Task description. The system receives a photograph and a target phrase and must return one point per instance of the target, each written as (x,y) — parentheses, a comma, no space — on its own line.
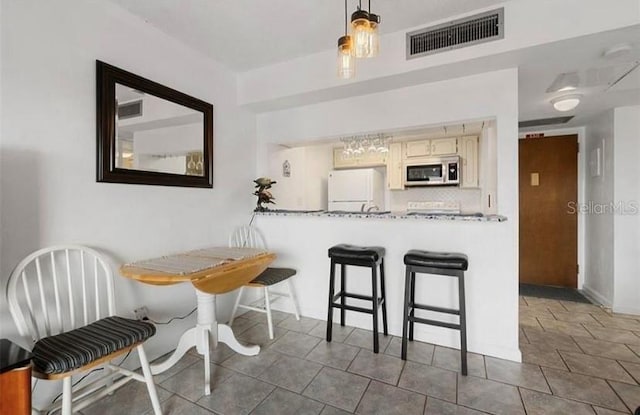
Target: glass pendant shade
(360,31)
(346,58)
(374,39)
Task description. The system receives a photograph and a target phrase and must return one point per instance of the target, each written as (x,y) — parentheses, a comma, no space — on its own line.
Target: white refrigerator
(355,190)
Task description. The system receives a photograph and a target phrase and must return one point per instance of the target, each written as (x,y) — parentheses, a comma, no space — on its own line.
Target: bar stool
(370,257)
(438,263)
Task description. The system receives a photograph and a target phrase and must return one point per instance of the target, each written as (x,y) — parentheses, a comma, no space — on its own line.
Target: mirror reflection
(153,134)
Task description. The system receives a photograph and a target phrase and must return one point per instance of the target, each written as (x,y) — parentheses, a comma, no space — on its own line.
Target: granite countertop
(473,217)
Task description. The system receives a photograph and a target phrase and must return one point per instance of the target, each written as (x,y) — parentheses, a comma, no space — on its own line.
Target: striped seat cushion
(71,350)
(272,276)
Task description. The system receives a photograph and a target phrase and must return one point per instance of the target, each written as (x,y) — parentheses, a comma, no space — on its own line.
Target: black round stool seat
(371,257)
(428,259)
(352,254)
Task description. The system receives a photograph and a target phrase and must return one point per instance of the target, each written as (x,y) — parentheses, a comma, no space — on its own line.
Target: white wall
(49,192)
(491,95)
(613,221)
(626,227)
(598,281)
(306,188)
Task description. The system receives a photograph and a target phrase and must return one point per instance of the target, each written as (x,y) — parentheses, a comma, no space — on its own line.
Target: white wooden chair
(250,237)
(61,300)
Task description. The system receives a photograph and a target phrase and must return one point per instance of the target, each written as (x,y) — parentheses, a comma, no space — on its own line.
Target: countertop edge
(454,218)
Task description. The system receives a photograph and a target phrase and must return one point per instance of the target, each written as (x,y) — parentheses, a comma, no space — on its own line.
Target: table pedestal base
(207,332)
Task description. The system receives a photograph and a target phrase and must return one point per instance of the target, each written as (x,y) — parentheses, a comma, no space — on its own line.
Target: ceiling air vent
(471,30)
(545,121)
(130,110)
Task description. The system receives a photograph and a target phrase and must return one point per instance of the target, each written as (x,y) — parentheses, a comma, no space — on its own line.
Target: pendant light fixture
(362,42)
(346,54)
(360,30)
(374,39)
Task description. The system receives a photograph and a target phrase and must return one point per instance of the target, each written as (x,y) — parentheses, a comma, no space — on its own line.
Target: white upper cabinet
(435,147)
(394,167)
(418,148)
(366,159)
(444,146)
(469,160)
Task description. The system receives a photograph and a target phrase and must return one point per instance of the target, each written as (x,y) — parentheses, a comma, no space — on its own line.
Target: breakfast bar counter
(302,240)
(466,217)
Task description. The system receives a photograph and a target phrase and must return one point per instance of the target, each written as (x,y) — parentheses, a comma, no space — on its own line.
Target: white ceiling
(246,34)
(538,69)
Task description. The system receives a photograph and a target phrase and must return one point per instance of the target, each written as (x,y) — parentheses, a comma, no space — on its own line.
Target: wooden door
(548,228)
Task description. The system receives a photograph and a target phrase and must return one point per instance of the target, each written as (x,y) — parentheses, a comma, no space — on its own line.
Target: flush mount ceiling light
(565,82)
(617,51)
(566,102)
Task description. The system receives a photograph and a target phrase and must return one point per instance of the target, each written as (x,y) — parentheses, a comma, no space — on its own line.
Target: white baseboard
(627,310)
(595,296)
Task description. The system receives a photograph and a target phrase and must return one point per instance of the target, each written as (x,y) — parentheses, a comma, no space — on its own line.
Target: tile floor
(577,359)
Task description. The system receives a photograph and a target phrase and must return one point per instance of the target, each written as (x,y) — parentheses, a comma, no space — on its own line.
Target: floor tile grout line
(637,381)
(363,393)
(579,401)
(618,395)
(559,396)
(195,403)
(524,408)
(545,376)
(264,399)
(457,387)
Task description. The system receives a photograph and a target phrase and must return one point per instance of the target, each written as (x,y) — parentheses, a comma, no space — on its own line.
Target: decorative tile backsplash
(470,199)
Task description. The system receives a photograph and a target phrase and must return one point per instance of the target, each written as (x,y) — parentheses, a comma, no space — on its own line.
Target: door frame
(581,133)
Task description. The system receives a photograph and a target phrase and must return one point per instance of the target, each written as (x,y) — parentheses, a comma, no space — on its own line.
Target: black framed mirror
(151,134)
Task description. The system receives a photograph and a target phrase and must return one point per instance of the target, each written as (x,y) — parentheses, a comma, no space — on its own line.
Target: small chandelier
(362,42)
(359,144)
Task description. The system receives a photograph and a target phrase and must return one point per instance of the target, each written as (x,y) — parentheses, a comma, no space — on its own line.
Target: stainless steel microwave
(441,171)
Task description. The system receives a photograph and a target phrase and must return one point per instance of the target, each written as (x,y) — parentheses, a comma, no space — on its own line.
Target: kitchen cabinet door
(342,162)
(444,146)
(394,167)
(366,159)
(469,161)
(373,159)
(418,148)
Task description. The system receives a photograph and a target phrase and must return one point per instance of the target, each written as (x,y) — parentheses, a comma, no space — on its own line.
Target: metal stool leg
(405,314)
(332,284)
(374,286)
(411,304)
(463,324)
(384,300)
(343,288)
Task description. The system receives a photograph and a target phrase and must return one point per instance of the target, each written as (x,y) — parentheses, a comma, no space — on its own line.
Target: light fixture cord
(345,17)
(359,4)
(369,6)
